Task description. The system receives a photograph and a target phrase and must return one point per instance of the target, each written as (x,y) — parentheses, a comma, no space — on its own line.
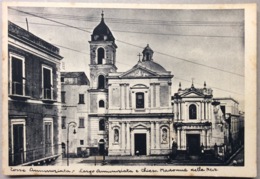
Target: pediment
(192,94)
(139,126)
(138,72)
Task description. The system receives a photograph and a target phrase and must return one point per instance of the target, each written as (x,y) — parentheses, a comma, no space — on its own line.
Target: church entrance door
(193,144)
(140,144)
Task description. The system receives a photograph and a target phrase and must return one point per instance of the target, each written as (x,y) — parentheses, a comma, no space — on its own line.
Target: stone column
(152,135)
(157,135)
(206,108)
(179,138)
(179,109)
(184,139)
(110,135)
(157,95)
(126,96)
(128,136)
(121,96)
(123,135)
(208,142)
(203,137)
(183,110)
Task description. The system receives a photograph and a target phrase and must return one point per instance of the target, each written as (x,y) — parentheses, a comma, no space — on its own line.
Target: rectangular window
(63,122)
(139,100)
(63,99)
(81,142)
(17,75)
(47,83)
(81,123)
(81,99)
(62,79)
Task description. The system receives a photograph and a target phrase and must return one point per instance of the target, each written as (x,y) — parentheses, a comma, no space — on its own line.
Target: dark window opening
(147,56)
(63,97)
(193,111)
(139,100)
(102,125)
(223,109)
(101,82)
(62,79)
(47,85)
(81,123)
(81,99)
(81,142)
(17,76)
(101,55)
(63,122)
(101,104)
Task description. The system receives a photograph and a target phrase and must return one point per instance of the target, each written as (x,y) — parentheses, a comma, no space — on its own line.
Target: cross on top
(139,55)
(192,79)
(102,14)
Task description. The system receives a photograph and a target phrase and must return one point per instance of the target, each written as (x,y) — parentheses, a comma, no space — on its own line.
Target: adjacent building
(75,100)
(204,124)
(33,97)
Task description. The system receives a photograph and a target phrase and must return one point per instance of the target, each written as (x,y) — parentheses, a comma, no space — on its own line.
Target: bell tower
(102,55)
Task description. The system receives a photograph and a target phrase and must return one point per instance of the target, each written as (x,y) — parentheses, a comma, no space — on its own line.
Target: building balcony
(37,156)
(18,90)
(47,95)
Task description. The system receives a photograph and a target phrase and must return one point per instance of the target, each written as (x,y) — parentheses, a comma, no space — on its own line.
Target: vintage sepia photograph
(129,90)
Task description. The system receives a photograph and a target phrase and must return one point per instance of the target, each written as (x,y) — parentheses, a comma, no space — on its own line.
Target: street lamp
(73,124)
(104,154)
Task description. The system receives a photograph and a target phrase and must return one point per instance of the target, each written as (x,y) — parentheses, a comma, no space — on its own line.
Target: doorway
(18,143)
(193,144)
(101,147)
(140,144)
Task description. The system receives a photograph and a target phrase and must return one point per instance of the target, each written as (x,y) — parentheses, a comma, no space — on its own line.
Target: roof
(102,32)
(227,98)
(151,65)
(21,34)
(81,76)
(193,92)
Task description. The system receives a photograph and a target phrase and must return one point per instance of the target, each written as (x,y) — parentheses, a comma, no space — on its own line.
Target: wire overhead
(161,53)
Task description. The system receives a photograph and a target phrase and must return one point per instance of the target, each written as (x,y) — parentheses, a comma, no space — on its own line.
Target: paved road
(136,161)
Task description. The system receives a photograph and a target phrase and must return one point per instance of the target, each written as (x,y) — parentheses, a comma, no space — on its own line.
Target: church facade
(134,113)
(130,112)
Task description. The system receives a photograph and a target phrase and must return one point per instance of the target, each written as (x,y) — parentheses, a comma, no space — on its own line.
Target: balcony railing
(47,93)
(18,90)
(29,156)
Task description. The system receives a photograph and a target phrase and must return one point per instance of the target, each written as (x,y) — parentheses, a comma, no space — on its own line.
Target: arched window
(193,111)
(102,125)
(147,56)
(101,104)
(164,135)
(139,100)
(101,55)
(101,82)
(116,135)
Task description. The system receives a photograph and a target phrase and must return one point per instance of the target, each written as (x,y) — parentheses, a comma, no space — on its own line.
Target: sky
(198,45)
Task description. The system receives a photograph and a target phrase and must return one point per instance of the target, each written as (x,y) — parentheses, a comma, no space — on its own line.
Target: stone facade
(205,124)
(33,108)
